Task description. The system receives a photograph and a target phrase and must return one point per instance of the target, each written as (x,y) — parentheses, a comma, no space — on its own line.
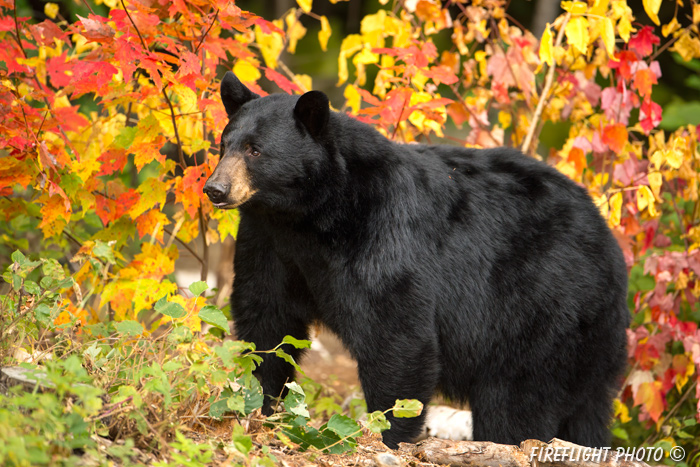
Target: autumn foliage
(109,128)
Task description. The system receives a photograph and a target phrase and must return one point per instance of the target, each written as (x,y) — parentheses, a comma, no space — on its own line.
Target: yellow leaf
(621,411)
(616,208)
(271,46)
(245,71)
(352,97)
(652,8)
(577,33)
(670,28)
(51,10)
(655,182)
(575,8)
(348,47)
(674,158)
(546,47)
(305,5)
(696,13)
(602,203)
(295,30)
(187,98)
(366,56)
(304,82)
(600,7)
(608,35)
(504,119)
(687,47)
(645,200)
(325,33)
(624,27)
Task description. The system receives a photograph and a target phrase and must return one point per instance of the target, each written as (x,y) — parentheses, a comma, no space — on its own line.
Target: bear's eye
(252,151)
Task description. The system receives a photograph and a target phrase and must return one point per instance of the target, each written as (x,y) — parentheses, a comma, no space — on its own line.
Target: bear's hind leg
(509,413)
(588,425)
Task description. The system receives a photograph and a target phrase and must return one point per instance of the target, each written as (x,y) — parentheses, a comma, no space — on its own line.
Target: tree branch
(545,91)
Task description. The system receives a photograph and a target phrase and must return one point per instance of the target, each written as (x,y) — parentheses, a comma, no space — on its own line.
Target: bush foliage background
(110,120)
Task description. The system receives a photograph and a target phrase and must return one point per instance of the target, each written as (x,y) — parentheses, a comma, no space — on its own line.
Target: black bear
(481,274)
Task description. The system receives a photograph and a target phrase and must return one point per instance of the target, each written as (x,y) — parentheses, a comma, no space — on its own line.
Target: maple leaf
(615,136)
(578,158)
(92,77)
(649,115)
(286,85)
(96,29)
(644,41)
(54,216)
(649,396)
(152,222)
(643,81)
(189,64)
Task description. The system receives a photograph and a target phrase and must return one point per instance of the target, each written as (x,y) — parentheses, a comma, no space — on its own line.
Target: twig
(183,164)
(89,7)
(205,247)
(543,97)
(201,41)
(187,247)
(38,83)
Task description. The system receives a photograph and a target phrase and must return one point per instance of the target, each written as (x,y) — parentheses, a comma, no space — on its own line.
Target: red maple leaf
(112,161)
(615,136)
(644,41)
(623,64)
(96,28)
(649,115)
(286,85)
(92,77)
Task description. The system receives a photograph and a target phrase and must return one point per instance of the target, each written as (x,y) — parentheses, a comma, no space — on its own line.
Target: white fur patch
(447,423)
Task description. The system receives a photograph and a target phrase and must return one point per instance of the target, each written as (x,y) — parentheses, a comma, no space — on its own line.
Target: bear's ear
(234,93)
(313,112)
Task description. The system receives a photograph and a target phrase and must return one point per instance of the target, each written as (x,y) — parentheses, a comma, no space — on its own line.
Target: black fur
(482,274)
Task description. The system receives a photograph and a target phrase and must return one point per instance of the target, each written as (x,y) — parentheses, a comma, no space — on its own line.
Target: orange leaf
(650,398)
(54,216)
(643,80)
(615,136)
(152,223)
(578,158)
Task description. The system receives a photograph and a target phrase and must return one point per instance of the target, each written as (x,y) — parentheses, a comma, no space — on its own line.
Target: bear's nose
(216,192)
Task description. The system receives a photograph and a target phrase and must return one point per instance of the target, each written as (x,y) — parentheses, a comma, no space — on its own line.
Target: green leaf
(377,422)
(241,441)
(42,313)
(198,287)
(32,287)
(218,409)
(297,343)
(343,426)
(620,433)
(253,396)
(125,137)
(288,358)
(407,408)
(172,309)
(236,403)
(129,327)
(104,251)
(18,257)
(213,316)
(295,401)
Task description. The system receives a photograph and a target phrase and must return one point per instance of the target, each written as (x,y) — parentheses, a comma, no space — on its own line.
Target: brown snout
(230,184)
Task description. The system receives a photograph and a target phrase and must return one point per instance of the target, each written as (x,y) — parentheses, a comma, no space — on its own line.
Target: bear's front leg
(268,303)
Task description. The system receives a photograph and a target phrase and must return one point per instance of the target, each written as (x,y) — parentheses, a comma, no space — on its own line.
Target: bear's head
(272,149)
